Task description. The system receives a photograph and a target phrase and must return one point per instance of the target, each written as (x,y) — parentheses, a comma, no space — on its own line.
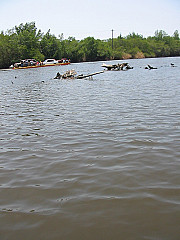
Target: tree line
(26,41)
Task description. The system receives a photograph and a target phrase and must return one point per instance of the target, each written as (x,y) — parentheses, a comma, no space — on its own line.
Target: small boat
(32,63)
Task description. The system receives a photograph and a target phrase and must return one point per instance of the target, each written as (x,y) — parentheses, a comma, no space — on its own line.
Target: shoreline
(8,69)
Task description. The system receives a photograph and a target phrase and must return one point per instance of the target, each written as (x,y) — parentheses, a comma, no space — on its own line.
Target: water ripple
(98,157)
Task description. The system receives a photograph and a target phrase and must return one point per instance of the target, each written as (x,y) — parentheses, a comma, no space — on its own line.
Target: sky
(95,18)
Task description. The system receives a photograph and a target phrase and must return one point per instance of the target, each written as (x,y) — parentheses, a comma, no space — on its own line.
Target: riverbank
(41,46)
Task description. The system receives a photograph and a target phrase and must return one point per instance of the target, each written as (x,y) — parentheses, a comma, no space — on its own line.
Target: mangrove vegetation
(26,41)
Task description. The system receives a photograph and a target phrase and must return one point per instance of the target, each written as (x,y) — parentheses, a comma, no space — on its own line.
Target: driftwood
(81,76)
(67,74)
(71,74)
(150,67)
(117,67)
(58,76)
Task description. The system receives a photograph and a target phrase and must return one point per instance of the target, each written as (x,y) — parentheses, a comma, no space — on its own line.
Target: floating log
(81,76)
(67,74)
(109,67)
(58,76)
(71,74)
(150,67)
(118,67)
(129,67)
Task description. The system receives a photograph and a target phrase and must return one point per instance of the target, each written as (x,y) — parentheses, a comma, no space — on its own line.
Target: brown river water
(94,159)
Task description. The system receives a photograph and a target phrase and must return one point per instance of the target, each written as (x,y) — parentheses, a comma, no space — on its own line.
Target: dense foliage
(25,41)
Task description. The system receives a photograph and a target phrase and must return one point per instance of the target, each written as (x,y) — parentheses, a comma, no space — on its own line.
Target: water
(90,159)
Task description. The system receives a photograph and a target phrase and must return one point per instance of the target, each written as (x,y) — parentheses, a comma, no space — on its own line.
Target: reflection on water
(90,159)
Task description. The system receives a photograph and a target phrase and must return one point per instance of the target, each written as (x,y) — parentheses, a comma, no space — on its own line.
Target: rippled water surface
(90,159)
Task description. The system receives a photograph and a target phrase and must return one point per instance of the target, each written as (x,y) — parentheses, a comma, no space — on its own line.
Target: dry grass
(139,55)
(126,56)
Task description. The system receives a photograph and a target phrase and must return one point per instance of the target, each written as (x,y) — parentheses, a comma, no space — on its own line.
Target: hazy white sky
(83,18)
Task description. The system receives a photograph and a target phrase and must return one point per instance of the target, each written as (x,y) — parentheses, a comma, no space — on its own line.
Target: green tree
(5,51)
(103,50)
(50,46)
(25,41)
(88,49)
(176,35)
(28,40)
(159,35)
(71,49)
